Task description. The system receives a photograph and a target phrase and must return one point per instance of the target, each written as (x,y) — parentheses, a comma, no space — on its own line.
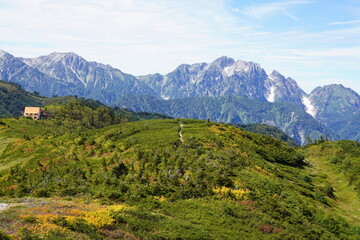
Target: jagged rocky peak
(272,83)
(281,89)
(53,58)
(336,93)
(275,79)
(183,68)
(68,67)
(275,75)
(338,108)
(278,79)
(223,62)
(232,67)
(197,67)
(2,53)
(68,58)
(332,88)
(193,68)
(332,100)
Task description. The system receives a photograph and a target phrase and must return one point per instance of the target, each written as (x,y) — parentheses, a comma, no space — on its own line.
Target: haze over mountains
(224,90)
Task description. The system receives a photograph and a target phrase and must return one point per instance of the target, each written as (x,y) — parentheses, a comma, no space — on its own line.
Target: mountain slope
(88,79)
(294,121)
(333,105)
(270,131)
(338,108)
(222,77)
(66,74)
(13,100)
(281,89)
(218,182)
(30,79)
(338,163)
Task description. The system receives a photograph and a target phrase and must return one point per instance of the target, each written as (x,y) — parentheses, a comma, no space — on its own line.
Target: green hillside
(337,167)
(13,100)
(269,131)
(72,177)
(294,121)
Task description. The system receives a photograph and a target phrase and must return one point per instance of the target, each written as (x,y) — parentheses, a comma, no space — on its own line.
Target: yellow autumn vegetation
(93,214)
(263,171)
(228,193)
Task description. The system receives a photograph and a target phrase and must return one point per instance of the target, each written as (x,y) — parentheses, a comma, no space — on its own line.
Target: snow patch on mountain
(271,96)
(309,107)
(302,136)
(165,97)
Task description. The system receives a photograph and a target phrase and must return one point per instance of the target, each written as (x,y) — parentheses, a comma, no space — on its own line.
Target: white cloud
(353,52)
(142,36)
(142,28)
(345,22)
(268,9)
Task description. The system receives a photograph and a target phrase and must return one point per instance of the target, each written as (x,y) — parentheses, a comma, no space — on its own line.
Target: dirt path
(180,132)
(346,197)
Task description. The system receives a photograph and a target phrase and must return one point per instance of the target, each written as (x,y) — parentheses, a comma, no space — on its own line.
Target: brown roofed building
(33,112)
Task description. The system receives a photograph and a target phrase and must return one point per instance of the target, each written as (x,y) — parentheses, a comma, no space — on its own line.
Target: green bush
(3,236)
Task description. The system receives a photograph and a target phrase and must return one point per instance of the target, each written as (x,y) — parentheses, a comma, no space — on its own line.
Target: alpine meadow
(179,120)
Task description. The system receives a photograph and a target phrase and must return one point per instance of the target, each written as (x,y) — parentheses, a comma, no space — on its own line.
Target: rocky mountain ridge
(225,76)
(66,74)
(331,105)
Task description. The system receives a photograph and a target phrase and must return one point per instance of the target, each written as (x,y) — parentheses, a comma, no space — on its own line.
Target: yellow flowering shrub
(99,218)
(43,219)
(228,193)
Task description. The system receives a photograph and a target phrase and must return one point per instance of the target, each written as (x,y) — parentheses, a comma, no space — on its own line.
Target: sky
(315,42)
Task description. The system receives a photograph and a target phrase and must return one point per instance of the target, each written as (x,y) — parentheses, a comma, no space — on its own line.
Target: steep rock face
(281,89)
(30,79)
(89,79)
(331,105)
(66,74)
(225,77)
(222,77)
(336,107)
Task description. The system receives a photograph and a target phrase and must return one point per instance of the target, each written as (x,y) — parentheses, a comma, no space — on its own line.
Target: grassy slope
(346,198)
(220,183)
(328,173)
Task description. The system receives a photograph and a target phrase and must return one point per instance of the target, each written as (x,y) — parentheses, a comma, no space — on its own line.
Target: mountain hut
(35,113)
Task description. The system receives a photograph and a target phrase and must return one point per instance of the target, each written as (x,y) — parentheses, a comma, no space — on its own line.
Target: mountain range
(225,90)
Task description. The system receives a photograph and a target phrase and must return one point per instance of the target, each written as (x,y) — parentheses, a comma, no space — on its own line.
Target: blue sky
(315,42)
